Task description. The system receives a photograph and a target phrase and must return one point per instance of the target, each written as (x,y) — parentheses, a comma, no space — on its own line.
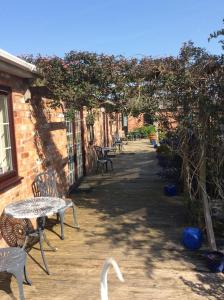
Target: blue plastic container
(215,261)
(192,238)
(153,142)
(170,190)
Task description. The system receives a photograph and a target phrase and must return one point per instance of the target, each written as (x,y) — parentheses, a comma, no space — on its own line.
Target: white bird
(103,277)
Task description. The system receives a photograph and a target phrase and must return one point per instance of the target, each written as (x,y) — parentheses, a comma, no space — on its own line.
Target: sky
(133,28)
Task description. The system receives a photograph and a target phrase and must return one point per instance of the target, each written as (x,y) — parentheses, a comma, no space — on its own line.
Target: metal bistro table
(36,208)
(105,150)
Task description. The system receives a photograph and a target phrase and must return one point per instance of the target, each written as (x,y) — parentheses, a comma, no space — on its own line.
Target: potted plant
(152,133)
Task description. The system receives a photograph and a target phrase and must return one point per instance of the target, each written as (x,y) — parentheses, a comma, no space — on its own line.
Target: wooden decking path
(127,217)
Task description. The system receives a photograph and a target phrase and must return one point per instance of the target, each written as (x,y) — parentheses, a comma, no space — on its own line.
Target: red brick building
(33,136)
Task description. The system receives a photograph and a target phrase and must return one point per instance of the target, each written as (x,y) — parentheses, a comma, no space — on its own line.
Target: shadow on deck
(125,216)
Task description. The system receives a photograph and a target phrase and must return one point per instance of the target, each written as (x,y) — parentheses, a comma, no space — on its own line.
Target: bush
(164,149)
(144,131)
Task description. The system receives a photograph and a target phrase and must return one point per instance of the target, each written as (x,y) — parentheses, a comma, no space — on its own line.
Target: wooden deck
(127,217)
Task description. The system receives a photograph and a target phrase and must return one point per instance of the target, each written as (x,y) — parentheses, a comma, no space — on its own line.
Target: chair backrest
(46,184)
(116,139)
(12,258)
(99,152)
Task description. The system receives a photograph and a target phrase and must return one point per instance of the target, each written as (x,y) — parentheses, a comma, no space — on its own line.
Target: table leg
(41,237)
(41,225)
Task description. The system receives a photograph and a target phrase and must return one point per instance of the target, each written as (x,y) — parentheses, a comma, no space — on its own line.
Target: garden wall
(40,135)
(135,122)
(40,140)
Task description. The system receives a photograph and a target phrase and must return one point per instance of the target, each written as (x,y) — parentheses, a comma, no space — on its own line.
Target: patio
(125,216)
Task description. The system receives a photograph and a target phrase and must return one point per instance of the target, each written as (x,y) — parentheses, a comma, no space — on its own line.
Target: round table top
(34,207)
(107,148)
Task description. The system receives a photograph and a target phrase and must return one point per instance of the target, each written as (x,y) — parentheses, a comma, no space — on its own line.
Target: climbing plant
(190,87)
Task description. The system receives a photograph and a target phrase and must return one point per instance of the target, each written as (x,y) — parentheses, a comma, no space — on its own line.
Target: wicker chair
(46,184)
(13,260)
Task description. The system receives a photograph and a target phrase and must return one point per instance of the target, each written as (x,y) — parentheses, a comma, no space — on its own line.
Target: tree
(217,34)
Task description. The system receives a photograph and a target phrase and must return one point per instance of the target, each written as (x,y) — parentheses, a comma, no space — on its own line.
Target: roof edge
(16,61)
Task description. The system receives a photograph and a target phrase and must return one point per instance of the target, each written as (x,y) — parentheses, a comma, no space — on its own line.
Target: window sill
(10,182)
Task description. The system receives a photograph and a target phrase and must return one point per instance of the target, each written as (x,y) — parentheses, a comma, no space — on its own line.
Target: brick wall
(41,141)
(135,122)
(105,127)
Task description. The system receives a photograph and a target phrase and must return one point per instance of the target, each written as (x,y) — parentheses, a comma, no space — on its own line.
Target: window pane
(6,135)
(3,109)
(70,149)
(8,159)
(5,142)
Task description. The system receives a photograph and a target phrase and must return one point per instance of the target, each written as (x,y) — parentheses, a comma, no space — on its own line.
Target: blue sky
(127,27)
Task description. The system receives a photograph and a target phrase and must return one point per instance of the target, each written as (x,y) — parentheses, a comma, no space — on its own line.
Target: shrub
(144,131)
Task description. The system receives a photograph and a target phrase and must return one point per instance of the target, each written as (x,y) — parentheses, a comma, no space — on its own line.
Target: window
(124,120)
(8,166)
(70,150)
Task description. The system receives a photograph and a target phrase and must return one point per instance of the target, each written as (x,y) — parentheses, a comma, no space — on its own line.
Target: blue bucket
(192,238)
(153,142)
(170,190)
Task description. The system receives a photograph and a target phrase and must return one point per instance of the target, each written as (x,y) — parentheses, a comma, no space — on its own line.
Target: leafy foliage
(217,34)
(184,93)
(144,131)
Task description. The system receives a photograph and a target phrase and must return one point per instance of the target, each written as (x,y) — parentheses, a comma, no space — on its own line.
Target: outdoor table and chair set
(48,202)
(104,155)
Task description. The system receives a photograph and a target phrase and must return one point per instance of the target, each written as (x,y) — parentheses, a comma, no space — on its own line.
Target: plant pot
(215,261)
(192,238)
(170,190)
(155,146)
(153,142)
(152,137)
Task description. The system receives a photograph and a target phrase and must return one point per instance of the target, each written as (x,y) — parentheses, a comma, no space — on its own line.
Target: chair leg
(19,278)
(48,242)
(62,217)
(28,281)
(76,224)
(97,167)
(111,164)
(41,239)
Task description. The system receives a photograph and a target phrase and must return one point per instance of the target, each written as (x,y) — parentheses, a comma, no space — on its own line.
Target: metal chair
(46,184)
(117,143)
(13,261)
(102,160)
